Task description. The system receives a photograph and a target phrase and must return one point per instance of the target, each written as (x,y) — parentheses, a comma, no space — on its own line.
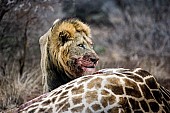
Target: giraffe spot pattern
(154,106)
(88,110)
(110,100)
(95,83)
(91,96)
(106,92)
(144,105)
(157,95)
(112,110)
(77,90)
(146,92)
(115,89)
(115,81)
(134,104)
(123,101)
(96,107)
(135,78)
(77,99)
(143,73)
(132,92)
(152,84)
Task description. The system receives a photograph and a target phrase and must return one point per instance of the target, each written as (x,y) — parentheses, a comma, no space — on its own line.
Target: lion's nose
(94,59)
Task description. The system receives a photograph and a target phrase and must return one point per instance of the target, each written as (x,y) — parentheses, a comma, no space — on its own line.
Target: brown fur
(66,52)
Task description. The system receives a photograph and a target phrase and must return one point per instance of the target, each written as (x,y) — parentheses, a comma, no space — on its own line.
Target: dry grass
(16,89)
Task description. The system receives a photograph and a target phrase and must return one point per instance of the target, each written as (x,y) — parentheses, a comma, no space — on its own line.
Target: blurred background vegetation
(126,33)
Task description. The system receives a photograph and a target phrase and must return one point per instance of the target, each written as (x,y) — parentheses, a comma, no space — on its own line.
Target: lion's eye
(81,45)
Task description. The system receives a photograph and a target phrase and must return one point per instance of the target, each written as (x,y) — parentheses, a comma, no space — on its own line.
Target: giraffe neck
(107,91)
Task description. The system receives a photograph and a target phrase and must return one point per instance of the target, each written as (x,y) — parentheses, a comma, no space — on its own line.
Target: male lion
(66,53)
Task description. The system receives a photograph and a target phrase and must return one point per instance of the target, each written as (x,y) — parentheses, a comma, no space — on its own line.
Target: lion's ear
(64,36)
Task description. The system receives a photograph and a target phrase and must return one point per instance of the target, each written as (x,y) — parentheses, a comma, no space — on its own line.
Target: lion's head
(69,48)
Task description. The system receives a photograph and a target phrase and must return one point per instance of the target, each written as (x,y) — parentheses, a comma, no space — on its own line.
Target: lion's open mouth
(89,70)
(86,65)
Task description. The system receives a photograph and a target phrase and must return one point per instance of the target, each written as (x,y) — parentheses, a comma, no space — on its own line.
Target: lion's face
(79,56)
(72,49)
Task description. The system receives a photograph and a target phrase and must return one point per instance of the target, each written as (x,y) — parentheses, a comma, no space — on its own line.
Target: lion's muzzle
(87,62)
(90,60)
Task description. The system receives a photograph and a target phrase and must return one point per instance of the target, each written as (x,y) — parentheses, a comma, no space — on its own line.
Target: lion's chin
(88,70)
